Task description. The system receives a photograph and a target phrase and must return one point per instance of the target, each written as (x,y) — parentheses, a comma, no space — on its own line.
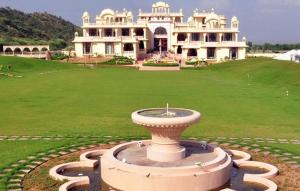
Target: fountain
(166,162)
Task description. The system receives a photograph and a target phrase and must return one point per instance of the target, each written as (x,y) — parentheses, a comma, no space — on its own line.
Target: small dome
(160,4)
(129,13)
(234,19)
(212,16)
(86,14)
(107,12)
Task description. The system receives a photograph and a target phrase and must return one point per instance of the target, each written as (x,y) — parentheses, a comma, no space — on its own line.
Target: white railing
(186,28)
(128,52)
(108,24)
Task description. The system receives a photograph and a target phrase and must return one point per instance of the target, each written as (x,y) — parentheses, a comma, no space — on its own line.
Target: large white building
(206,35)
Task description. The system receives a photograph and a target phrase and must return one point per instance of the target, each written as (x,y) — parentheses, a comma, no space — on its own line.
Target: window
(228,37)
(93,32)
(139,32)
(211,53)
(108,32)
(181,37)
(109,48)
(195,37)
(179,50)
(125,32)
(160,31)
(212,37)
(86,48)
(128,47)
(192,52)
(141,45)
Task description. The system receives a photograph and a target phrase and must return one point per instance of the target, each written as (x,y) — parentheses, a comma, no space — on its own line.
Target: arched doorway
(179,50)
(192,52)
(160,39)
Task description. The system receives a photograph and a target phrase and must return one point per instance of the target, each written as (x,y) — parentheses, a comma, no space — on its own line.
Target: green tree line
(19,28)
(268,47)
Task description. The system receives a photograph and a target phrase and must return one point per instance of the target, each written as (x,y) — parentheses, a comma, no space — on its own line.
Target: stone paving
(14,174)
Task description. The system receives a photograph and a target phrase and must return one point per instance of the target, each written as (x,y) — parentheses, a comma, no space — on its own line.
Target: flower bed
(119,60)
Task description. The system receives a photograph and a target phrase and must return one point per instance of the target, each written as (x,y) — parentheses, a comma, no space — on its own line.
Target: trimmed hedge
(160,65)
(191,62)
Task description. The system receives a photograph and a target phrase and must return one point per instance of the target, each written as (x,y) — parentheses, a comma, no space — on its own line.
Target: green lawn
(236,99)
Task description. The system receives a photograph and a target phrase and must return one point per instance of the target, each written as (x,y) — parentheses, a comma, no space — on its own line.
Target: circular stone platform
(204,170)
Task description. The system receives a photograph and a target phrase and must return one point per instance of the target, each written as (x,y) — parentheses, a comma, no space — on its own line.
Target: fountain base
(202,169)
(166,153)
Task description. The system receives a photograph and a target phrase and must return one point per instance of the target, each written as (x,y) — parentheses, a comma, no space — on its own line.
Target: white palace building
(205,35)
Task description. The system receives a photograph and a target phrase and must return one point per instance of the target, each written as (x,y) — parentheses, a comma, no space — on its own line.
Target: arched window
(26,50)
(35,50)
(179,50)
(17,51)
(44,49)
(192,52)
(160,31)
(181,37)
(8,51)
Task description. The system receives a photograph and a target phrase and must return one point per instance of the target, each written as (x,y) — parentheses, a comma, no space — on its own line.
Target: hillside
(17,27)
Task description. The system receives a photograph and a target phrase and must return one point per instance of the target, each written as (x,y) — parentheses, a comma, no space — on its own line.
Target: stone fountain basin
(152,175)
(190,118)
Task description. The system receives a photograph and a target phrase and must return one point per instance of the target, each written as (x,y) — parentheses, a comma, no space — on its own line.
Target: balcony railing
(108,24)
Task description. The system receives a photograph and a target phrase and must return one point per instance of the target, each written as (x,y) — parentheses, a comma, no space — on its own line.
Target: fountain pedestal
(166,127)
(165,145)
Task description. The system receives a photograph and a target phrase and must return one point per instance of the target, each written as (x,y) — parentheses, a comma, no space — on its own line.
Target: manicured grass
(236,99)
(75,101)
(12,151)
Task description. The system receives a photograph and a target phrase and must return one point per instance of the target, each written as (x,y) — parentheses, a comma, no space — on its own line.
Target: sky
(274,21)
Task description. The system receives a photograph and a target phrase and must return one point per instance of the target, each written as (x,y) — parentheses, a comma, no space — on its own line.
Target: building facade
(205,35)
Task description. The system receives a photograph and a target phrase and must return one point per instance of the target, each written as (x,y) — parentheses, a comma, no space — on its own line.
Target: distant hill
(17,27)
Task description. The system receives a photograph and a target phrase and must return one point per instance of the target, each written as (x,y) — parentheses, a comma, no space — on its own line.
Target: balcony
(104,39)
(113,25)
(194,29)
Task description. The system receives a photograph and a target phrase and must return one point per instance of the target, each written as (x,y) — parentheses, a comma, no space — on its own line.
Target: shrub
(58,56)
(191,62)
(119,60)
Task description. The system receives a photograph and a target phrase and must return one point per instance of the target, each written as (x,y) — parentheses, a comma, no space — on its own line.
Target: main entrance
(160,44)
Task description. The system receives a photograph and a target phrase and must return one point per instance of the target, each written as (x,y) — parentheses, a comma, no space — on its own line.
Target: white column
(116,33)
(220,37)
(132,32)
(145,35)
(236,37)
(100,33)
(160,46)
(204,37)
(189,37)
